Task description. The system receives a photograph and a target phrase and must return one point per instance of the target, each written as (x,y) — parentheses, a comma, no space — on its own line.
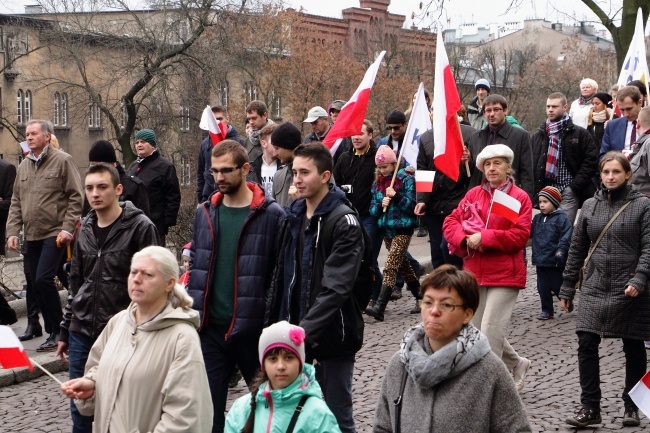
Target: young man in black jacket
(315,275)
(109,236)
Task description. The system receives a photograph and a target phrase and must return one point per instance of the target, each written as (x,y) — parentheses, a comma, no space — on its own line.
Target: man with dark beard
(236,233)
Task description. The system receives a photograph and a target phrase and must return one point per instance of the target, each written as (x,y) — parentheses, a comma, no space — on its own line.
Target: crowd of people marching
(283,263)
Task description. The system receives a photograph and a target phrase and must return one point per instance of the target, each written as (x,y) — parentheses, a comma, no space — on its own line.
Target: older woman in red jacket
(494,242)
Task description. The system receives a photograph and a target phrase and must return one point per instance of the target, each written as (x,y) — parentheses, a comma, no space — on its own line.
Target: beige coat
(149,378)
(48,196)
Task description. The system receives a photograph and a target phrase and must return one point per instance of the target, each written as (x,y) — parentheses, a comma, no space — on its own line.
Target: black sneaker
(631,417)
(584,417)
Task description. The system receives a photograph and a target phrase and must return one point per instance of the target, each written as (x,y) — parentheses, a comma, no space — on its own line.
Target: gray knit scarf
(254,135)
(469,347)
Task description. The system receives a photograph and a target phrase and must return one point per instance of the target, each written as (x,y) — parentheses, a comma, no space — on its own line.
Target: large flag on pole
(12,354)
(350,119)
(419,123)
(635,65)
(217,130)
(446,103)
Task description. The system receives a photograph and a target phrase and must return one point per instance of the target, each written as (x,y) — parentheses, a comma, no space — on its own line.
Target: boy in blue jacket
(551,234)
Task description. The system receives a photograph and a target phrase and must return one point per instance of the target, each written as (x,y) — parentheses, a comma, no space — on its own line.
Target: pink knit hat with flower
(385,155)
(285,335)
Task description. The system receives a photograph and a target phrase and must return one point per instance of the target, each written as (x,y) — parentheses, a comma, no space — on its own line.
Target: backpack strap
(296,413)
(398,402)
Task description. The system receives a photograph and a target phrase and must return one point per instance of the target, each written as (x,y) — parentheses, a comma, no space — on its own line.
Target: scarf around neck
(254,135)
(584,101)
(553,130)
(428,370)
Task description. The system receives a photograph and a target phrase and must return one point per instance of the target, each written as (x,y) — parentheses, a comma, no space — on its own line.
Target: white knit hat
(285,335)
(494,151)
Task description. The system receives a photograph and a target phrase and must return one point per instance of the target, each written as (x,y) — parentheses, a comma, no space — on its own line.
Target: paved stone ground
(552,391)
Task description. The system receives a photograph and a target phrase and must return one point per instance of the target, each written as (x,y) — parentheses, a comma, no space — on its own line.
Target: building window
(250,91)
(277,106)
(185,117)
(94,113)
(57,114)
(19,107)
(125,114)
(186,172)
(64,109)
(223,94)
(28,106)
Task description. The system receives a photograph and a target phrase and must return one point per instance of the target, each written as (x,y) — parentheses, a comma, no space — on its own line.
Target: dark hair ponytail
(260,378)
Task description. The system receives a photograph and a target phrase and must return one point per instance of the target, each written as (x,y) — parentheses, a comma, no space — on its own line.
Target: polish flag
(505,206)
(12,354)
(640,394)
(446,103)
(424,180)
(350,119)
(217,130)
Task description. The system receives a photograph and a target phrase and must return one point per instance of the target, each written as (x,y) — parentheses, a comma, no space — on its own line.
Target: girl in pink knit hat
(393,206)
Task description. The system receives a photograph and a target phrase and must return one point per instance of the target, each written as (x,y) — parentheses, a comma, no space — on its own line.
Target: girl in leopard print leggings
(394,209)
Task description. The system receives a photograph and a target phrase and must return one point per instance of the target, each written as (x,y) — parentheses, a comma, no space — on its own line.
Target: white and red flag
(419,123)
(12,354)
(25,147)
(424,180)
(640,394)
(217,130)
(446,103)
(350,119)
(505,206)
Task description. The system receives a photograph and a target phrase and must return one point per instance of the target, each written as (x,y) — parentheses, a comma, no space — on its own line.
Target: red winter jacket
(502,261)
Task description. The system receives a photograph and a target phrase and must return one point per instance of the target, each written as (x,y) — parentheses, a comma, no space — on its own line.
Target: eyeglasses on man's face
(224,171)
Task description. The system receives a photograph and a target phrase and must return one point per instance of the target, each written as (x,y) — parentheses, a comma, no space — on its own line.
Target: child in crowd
(397,222)
(285,391)
(551,233)
(187,260)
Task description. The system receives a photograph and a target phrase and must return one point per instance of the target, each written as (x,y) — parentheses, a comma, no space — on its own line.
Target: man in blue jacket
(620,134)
(318,264)
(235,236)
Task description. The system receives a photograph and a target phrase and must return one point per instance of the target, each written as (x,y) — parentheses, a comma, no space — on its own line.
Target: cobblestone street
(551,392)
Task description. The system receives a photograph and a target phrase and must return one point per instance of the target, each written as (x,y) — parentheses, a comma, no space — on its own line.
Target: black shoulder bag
(296,413)
(398,402)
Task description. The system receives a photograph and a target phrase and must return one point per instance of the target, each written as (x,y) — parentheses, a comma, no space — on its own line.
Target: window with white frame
(19,106)
(94,113)
(250,91)
(186,172)
(277,106)
(185,117)
(56,119)
(27,106)
(64,109)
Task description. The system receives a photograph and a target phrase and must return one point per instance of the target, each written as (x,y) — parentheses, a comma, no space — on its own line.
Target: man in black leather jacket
(109,236)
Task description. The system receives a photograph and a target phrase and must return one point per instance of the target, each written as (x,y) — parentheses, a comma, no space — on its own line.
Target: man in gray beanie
(475,107)
(159,176)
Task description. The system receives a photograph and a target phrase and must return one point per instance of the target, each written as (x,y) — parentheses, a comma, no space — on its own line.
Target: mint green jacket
(276,407)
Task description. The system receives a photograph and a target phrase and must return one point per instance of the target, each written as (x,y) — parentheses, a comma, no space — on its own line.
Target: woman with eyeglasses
(492,237)
(445,366)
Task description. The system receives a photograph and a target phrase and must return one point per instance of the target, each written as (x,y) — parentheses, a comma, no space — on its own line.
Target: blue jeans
(79,346)
(370,223)
(44,261)
(549,281)
(335,379)
(220,358)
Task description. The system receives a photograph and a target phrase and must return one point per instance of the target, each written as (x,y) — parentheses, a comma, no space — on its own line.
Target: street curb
(20,305)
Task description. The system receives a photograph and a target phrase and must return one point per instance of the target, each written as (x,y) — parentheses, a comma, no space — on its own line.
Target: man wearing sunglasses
(236,232)
(396,127)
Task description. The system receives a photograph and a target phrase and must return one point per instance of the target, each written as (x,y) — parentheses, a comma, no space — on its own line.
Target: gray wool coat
(481,399)
(621,258)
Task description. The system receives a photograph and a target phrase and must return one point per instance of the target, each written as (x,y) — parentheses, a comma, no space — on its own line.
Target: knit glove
(559,257)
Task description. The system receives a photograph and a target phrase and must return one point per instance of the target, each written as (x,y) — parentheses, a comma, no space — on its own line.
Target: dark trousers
(44,261)
(79,346)
(589,367)
(549,281)
(220,358)
(335,379)
(7,314)
(438,244)
(376,235)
